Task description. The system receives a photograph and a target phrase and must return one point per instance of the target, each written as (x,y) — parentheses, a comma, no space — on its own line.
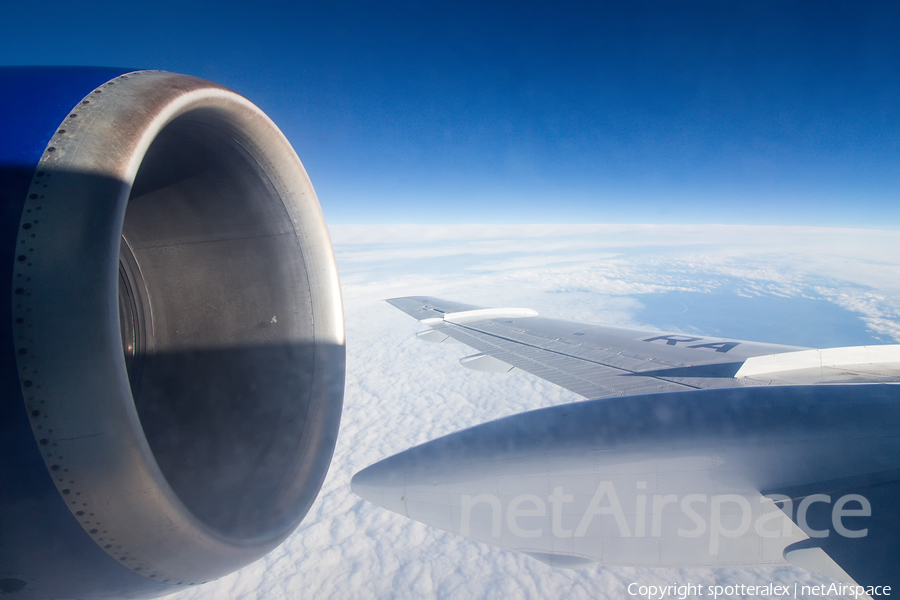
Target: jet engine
(172,363)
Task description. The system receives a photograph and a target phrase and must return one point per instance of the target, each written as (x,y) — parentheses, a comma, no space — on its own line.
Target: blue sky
(665,112)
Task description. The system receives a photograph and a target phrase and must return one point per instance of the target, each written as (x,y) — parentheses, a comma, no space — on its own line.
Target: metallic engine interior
(217,327)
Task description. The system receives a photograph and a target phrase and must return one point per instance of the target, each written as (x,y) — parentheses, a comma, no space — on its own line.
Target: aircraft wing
(752,462)
(600,361)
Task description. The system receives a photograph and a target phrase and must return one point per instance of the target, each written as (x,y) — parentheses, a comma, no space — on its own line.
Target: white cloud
(401,391)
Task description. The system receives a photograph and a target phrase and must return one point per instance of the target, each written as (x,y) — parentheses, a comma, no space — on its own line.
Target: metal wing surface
(595,361)
(753,429)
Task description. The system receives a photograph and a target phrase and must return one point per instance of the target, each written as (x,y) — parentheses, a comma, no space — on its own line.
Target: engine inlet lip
(85,180)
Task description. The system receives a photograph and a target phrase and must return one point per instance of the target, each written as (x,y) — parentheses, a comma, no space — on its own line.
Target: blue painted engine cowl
(172,355)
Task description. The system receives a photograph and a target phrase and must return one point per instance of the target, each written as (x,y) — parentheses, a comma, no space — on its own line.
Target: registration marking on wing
(674,340)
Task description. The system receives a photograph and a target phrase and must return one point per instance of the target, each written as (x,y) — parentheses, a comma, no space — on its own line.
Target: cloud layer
(401,391)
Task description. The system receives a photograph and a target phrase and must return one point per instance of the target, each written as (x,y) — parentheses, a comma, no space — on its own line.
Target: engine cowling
(173,365)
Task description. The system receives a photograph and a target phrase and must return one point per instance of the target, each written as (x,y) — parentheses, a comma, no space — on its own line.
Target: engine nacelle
(172,369)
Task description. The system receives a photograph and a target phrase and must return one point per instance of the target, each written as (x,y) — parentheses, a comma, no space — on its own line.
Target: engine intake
(177,325)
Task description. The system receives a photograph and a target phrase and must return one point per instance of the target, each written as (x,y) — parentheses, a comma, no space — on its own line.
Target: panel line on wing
(477,334)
